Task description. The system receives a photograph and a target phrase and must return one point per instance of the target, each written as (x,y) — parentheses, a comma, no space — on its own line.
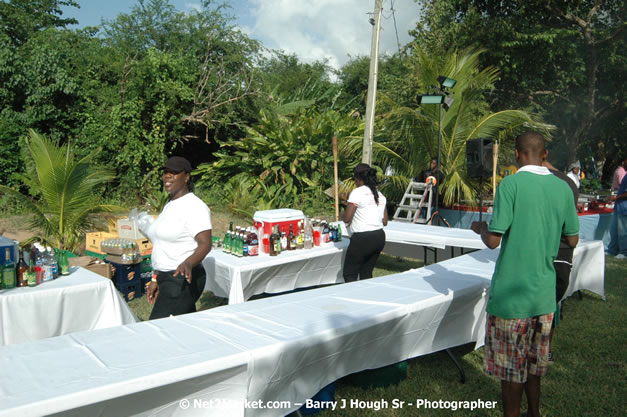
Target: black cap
(178,164)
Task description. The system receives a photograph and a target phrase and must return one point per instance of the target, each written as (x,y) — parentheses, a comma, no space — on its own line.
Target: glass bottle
(308,235)
(291,239)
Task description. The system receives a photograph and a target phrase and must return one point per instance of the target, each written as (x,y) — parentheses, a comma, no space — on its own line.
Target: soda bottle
(245,243)
(64,265)
(308,235)
(325,232)
(253,243)
(339,232)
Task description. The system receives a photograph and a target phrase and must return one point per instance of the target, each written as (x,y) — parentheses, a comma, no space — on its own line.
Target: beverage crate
(125,274)
(268,219)
(145,278)
(131,291)
(146,264)
(94,239)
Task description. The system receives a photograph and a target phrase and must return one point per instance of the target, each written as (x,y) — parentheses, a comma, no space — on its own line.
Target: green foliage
(562,59)
(409,137)
(62,192)
(283,157)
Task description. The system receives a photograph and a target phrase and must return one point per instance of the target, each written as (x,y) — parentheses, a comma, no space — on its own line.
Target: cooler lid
(278,215)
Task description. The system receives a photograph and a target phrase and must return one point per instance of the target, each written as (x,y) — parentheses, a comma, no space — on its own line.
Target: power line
(398,42)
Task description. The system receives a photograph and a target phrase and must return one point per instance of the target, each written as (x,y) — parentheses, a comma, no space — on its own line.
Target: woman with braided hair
(365,215)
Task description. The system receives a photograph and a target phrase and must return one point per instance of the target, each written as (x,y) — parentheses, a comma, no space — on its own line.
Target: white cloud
(193,6)
(332,29)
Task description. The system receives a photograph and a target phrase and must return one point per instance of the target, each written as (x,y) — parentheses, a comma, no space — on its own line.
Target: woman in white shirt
(181,238)
(366,215)
(574,173)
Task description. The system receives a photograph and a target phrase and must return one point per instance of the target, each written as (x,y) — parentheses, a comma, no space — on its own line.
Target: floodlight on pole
(446,82)
(430,98)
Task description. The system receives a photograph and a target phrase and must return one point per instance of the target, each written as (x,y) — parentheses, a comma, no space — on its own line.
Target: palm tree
(62,192)
(411,131)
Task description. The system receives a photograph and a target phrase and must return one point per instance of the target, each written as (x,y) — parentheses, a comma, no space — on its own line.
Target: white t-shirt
(574,177)
(369,215)
(173,233)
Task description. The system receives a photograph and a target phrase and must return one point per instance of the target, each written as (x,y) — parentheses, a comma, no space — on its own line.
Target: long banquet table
(228,360)
(80,301)
(238,279)
(405,239)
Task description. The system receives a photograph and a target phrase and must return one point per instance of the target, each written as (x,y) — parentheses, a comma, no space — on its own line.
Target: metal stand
(462,374)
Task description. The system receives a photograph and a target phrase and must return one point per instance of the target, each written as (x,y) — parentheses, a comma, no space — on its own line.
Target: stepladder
(415,206)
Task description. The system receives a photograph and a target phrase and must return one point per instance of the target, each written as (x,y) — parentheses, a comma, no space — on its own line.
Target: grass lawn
(587,379)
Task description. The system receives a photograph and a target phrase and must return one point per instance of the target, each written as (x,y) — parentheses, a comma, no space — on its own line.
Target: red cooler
(281,217)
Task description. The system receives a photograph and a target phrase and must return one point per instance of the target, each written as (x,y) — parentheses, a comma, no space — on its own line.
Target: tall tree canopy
(563,58)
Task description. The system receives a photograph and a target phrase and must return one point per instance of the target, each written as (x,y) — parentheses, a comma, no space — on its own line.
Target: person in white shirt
(181,238)
(574,173)
(366,215)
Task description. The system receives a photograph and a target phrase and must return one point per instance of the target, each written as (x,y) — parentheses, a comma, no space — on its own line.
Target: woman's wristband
(154,278)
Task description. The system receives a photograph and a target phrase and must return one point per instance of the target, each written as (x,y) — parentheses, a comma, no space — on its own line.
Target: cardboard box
(145,246)
(128,229)
(92,264)
(93,240)
(127,259)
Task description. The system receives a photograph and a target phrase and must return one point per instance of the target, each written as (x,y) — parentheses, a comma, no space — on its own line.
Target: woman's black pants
(177,296)
(362,254)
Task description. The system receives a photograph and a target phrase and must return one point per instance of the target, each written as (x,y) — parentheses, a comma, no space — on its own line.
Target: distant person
(532,210)
(619,173)
(618,228)
(365,215)
(432,171)
(181,238)
(574,173)
(564,261)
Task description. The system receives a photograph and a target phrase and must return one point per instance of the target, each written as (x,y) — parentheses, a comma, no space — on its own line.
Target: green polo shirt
(532,209)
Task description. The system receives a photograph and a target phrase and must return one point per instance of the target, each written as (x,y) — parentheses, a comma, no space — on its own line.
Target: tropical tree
(408,132)
(62,191)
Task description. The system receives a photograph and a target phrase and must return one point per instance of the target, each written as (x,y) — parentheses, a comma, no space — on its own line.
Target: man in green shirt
(532,210)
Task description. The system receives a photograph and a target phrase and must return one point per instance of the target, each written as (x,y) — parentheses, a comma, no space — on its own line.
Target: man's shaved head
(531,144)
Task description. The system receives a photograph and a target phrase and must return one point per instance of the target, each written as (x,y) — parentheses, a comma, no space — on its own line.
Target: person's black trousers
(362,254)
(177,296)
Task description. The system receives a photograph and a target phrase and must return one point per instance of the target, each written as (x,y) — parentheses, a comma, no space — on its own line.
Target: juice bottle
(253,243)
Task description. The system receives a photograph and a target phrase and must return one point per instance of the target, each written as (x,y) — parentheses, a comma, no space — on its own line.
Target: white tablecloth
(281,348)
(238,279)
(82,300)
(432,236)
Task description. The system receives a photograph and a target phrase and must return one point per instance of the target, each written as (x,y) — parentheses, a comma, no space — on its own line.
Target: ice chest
(268,219)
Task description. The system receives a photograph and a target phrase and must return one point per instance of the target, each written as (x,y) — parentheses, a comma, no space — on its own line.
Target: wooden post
(495,160)
(335,180)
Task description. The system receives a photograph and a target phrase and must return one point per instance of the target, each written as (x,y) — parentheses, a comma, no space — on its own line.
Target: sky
(311,29)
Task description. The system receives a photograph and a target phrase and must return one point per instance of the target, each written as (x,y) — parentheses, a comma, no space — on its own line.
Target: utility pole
(372,83)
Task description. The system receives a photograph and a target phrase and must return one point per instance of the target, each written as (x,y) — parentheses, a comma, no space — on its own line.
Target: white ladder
(416,197)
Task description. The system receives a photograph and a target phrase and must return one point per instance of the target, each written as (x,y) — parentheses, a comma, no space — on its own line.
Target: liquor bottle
(31,275)
(253,243)
(8,271)
(21,269)
(283,241)
(308,235)
(291,239)
(275,243)
(300,239)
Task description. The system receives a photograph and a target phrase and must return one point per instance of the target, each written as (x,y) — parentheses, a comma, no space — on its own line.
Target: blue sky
(311,29)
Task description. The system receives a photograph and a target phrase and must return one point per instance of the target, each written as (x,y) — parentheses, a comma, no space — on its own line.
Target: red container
(268,219)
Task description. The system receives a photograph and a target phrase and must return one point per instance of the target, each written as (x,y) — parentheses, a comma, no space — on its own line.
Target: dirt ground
(14,227)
